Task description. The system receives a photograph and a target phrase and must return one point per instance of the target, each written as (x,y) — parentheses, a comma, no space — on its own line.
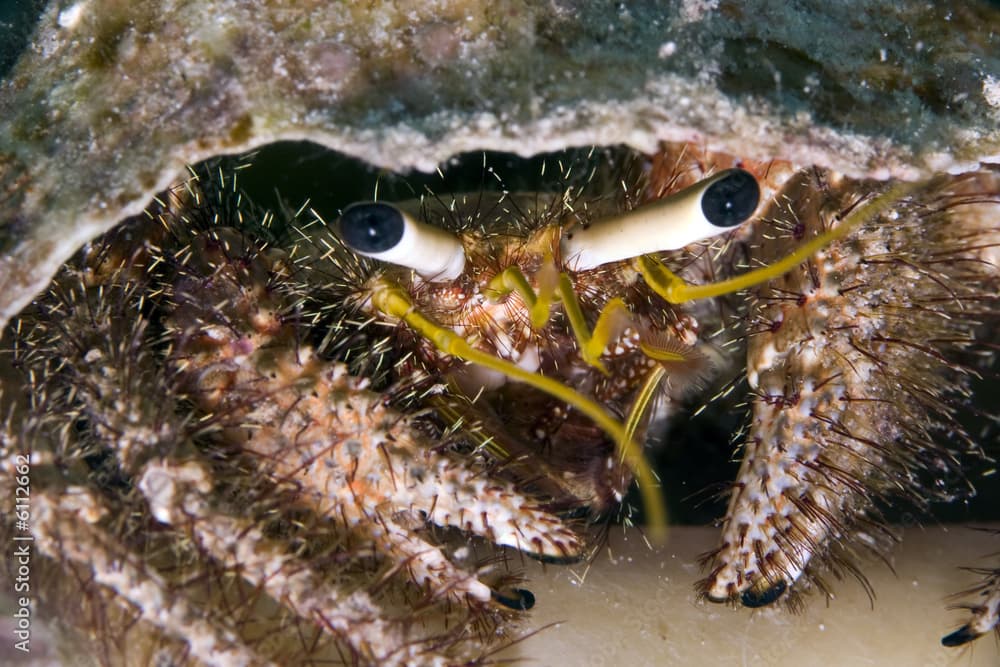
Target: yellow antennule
(612,321)
(394,302)
(643,399)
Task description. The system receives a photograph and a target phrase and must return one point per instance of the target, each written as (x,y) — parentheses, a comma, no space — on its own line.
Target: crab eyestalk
(708,208)
(384,232)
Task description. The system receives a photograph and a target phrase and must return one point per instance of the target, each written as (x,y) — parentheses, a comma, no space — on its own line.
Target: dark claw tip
(961,636)
(523,599)
(753,599)
(555,560)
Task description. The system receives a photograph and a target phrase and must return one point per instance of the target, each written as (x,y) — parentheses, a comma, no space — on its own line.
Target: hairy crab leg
(850,401)
(985,614)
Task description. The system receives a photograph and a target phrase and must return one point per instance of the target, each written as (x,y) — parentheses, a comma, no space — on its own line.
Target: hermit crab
(283,439)
(860,347)
(486,296)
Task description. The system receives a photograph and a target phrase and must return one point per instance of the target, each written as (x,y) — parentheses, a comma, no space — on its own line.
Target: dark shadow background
(17,22)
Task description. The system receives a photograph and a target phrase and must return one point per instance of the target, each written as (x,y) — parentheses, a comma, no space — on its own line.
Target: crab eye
(705,209)
(372,228)
(732,199)
(384,232)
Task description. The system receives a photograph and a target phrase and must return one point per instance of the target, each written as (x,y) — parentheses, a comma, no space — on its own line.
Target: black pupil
(732,199)
(371,227)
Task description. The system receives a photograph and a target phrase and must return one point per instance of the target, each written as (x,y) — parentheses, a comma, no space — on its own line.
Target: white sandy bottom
(636,606)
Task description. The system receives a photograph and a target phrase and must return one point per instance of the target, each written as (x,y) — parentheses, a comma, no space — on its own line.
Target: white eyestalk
(386,233)
(708,208)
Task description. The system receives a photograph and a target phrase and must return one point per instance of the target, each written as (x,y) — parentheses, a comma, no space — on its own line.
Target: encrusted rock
(111,98)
